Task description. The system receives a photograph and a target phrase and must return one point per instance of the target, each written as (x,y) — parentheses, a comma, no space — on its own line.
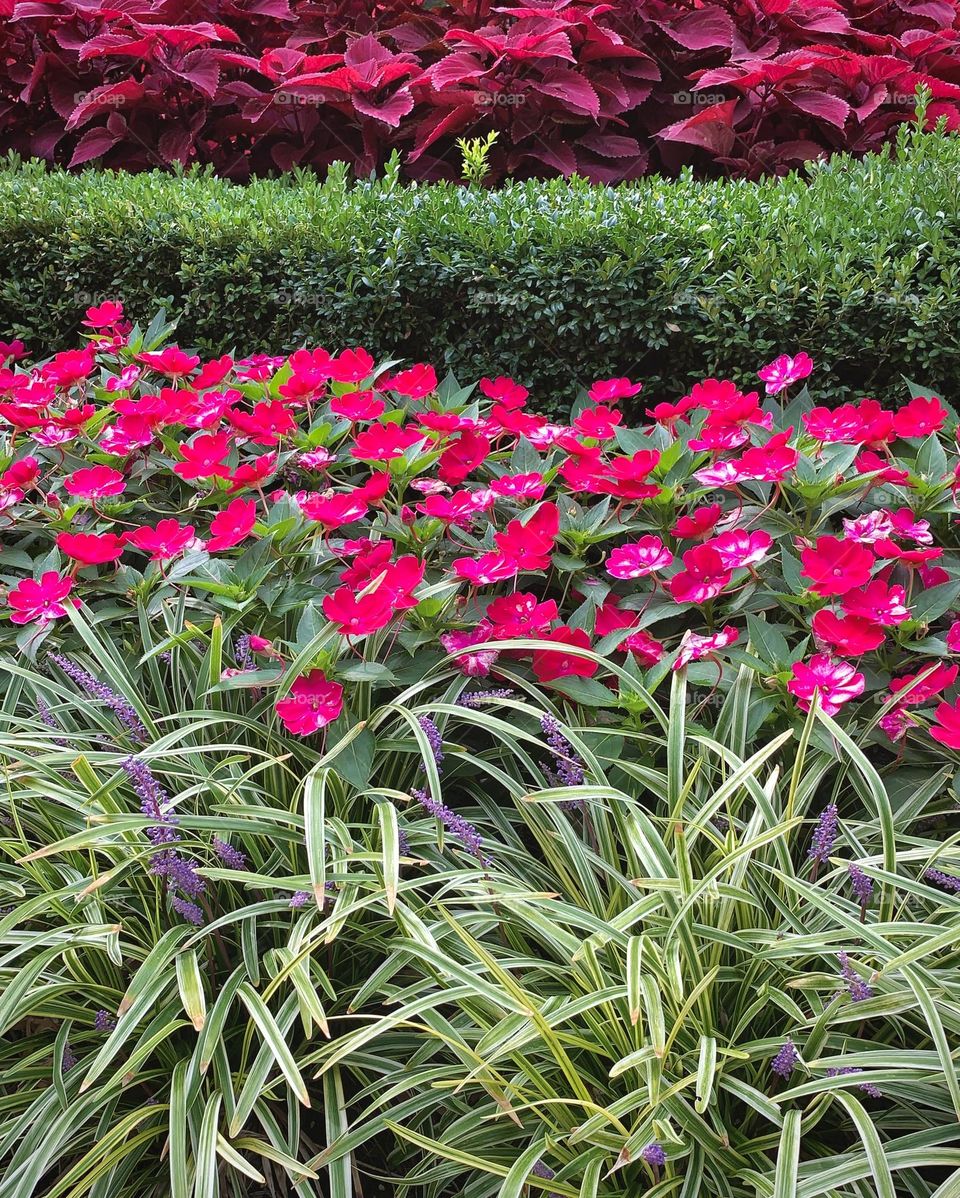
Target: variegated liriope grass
(618,968)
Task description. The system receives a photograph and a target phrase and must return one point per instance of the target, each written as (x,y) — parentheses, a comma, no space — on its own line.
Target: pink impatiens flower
(475,660)
(41,601)
(835,567)
(849,637)
(918,688)
(95,482)
(164,541)
(313,702)
(739,548)
(90,548)
(550,664)
(946,730)
(704,576)
(785,370)
(695,647)
(639,558)
(233,525)
(878,602)
(836,683)
(611,391)
(920,417)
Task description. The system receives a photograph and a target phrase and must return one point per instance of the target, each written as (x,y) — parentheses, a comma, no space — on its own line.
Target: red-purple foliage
(608,90)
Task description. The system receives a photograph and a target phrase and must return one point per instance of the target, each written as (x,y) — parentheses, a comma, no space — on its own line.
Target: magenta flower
(313,703)
(471,657)
(41,601)
(836,683)
(639,558)
(738,548)
(694,647)
(784,371)
(703,577)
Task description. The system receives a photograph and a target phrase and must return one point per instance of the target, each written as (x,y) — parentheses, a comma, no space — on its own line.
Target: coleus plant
(606,91)
(377,515)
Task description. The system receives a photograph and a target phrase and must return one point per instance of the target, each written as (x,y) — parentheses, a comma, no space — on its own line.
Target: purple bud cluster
(300,898)
(121,707)
(48,718)
(455,824)
(243,654)
(104,1021)
(434,739)
(180,874)
(189,911)
(654,1155)
(567,768)
(857,988)
(824,834)
(866,1087)
(784,1063)
(231,857)
(947,881)
(862,885)
(472,699)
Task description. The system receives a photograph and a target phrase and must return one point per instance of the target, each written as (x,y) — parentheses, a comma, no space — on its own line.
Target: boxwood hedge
(548,281)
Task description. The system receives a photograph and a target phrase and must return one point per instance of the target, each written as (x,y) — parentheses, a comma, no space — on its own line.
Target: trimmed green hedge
(553,282)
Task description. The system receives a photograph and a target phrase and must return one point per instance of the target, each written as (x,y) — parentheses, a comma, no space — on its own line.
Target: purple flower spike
(190,911)
(243,654)
(121,707)
(154,801)
(947,881)
(432,733)
(48,718)
(455,824)
(784,1063)
(474,699)
(180,873)
(104,1021)
(567,766)
(866,1087)
(857,988)
(824,835)
(230,856)
(299,898)
(862,886)
(654,1155)
(543,1171)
